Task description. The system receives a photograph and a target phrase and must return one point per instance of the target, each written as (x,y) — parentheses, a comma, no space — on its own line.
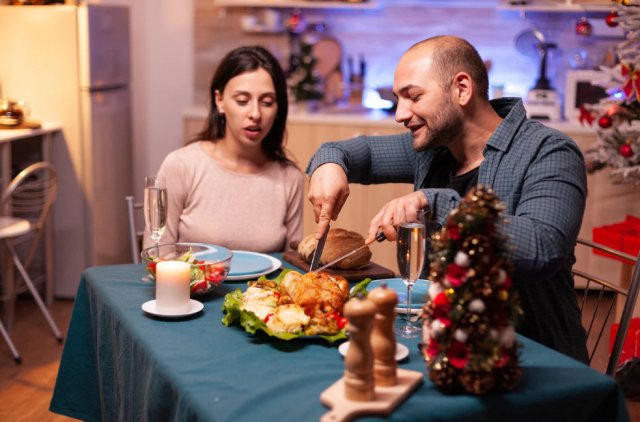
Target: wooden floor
(26,389)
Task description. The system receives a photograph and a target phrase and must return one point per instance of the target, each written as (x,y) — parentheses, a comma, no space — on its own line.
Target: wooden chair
(596,321)
(29,197)
(135,236)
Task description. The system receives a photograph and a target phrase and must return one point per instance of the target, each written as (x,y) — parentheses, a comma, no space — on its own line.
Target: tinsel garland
(468,321)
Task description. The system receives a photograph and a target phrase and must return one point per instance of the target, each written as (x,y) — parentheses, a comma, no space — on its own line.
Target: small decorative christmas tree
(468,321)
(305,84)
(618,115)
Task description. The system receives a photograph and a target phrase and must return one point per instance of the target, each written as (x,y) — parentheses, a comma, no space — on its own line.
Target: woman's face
(249,105)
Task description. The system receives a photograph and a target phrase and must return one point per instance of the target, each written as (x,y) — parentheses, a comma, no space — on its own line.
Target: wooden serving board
(372,270)
(386,398)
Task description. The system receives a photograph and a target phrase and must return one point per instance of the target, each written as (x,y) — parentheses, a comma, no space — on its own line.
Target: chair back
(596,315)
(30,195)
(135,235)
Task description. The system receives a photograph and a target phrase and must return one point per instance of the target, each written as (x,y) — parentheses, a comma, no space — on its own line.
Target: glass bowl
(209,263)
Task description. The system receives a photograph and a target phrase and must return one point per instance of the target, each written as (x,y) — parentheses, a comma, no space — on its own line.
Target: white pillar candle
(172,287)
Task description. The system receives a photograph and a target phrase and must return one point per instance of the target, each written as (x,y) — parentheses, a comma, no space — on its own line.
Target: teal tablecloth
(120,364)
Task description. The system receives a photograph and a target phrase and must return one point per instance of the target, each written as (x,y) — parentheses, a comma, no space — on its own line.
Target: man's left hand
(395,212)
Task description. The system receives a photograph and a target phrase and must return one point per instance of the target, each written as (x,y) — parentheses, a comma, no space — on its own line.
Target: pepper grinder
(358,362)
(383,340)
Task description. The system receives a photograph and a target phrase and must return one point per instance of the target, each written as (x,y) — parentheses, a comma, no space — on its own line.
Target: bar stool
(29,196)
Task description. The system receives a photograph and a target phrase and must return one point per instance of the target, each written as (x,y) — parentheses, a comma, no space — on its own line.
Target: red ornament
(605,121)
(626,151)
(586,115)
(611,19)
(584,27)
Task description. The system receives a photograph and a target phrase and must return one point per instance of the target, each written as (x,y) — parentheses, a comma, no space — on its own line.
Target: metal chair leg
(34,292)
(7,339)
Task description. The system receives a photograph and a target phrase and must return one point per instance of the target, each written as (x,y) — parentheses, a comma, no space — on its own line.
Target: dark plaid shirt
(538,172)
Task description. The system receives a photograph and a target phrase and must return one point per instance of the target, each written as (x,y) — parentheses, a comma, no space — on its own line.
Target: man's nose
(402,112)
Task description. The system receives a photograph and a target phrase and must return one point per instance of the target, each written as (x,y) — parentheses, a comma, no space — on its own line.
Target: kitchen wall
(383,34)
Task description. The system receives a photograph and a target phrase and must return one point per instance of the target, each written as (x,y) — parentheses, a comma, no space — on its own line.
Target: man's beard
(446,127)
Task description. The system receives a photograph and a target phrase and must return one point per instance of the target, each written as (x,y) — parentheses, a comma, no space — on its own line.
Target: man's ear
(462,88)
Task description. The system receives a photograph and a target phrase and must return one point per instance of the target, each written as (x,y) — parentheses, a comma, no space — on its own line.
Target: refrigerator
(71,64)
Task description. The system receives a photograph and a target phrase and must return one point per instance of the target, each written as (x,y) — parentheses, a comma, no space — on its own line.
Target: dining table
(122,364)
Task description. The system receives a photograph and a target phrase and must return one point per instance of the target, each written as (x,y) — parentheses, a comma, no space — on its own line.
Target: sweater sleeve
(370,159)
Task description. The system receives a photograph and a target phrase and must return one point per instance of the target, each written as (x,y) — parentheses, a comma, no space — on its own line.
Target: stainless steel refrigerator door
(104,46)
(108,166)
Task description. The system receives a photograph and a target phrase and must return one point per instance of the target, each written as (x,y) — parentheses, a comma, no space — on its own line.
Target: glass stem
(409,291)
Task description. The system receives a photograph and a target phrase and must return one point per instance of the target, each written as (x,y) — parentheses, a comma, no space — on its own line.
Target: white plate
(276,263)
(402,351)
(194,307)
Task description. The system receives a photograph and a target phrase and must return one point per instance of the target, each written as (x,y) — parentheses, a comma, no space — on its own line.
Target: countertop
(372,118)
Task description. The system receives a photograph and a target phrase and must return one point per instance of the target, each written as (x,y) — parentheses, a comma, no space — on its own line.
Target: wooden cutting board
(372,270)
(385,401)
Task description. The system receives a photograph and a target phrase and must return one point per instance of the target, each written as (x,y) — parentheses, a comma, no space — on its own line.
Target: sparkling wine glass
(155,207)
(410,254)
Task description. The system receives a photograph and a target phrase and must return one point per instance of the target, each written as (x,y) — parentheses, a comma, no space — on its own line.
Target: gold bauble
(503,295)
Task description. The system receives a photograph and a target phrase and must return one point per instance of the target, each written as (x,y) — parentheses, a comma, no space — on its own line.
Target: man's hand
(328,191)
(395,212)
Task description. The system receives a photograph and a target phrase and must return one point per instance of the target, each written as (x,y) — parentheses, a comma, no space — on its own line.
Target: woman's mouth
(252,132)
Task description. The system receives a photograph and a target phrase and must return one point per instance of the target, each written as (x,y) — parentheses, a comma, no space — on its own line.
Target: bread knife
(379,237)
(315,261)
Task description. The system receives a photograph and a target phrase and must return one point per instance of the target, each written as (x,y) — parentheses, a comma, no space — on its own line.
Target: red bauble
(626,151)
(605,121)
(584,27)
(611,19)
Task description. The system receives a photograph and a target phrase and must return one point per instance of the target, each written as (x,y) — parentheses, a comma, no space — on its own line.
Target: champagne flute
(410,254)
(155,207)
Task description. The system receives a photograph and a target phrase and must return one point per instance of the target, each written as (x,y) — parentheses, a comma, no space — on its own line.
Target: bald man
(457,139)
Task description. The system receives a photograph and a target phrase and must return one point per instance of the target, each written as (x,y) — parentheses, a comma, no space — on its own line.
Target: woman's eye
(242,102)
(268,103)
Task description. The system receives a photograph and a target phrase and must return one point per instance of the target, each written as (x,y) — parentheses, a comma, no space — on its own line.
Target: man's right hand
(328,191)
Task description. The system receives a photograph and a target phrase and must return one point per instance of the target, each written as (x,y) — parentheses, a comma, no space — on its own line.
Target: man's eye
(415,98)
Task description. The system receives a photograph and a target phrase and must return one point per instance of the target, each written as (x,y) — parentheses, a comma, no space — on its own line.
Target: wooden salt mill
(358,362)
(383,340)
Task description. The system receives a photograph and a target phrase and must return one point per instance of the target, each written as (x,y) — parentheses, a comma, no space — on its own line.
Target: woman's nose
(255,111)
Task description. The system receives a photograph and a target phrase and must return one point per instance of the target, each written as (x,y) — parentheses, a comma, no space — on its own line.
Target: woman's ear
(462,88)
(218,101)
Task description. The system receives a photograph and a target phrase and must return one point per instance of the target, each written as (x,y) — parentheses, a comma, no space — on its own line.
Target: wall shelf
(566,7)
(297,4)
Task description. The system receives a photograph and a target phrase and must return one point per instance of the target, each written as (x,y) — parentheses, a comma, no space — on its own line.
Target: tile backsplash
(381,35)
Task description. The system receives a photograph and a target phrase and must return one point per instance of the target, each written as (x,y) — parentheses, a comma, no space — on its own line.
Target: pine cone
(444,376)
(508,377)
(477,382)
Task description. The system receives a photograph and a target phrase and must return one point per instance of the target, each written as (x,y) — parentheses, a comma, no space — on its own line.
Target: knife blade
(379,237)
(315,261)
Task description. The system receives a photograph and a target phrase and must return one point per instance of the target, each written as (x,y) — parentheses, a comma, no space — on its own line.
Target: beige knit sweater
(210,204)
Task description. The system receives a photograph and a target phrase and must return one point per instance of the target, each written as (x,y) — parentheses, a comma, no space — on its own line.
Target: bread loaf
(339,242)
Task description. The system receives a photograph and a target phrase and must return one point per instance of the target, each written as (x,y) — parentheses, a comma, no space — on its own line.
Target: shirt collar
(513,114)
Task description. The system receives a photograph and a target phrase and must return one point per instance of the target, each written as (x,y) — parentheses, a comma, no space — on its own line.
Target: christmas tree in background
(304,82)
(469,335)
(618,115)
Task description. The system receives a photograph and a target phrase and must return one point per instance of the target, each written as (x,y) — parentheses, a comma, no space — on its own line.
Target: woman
(233,185)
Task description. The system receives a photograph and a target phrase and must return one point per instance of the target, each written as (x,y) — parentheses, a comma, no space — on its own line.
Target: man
(457,139)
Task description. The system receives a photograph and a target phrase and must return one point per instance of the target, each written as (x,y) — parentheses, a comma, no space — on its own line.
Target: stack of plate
(418,295)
